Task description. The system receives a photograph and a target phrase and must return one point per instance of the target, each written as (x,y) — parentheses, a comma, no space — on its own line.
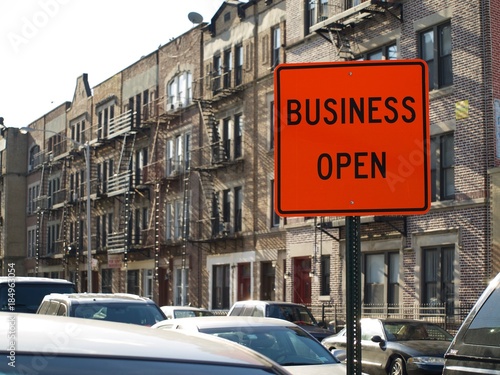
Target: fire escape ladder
(185,213)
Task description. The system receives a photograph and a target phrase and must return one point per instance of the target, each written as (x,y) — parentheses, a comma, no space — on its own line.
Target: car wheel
(397,367)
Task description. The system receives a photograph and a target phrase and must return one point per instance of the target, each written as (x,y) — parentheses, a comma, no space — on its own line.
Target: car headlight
(426,360)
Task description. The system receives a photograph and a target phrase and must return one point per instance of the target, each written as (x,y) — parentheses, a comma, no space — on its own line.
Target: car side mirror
(378,339)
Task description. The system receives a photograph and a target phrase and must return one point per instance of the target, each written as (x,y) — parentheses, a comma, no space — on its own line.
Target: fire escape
(224,87)
(337,24)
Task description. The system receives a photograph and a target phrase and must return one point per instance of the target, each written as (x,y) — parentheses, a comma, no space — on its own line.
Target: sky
(45,45)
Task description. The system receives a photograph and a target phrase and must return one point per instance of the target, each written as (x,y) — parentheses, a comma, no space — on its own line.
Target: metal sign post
(353,297)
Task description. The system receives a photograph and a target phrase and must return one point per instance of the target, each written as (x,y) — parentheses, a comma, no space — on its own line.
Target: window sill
(440,93)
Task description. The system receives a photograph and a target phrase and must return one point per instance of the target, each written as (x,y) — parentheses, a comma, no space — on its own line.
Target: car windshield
(404,331)
(191,313)
(135,313)
(288,346)
(297,314)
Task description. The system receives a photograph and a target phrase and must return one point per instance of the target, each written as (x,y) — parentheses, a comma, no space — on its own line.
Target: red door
(244,281)
(302,280)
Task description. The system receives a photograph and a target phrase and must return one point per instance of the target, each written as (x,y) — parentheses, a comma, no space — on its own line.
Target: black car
(398,346)
(293,312)
(476,346)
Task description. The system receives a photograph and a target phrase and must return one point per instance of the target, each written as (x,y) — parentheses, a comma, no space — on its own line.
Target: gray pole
(89,237)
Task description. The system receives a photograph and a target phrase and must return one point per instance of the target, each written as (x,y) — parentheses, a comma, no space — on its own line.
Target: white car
(282,341)
(175,312)
(48,345)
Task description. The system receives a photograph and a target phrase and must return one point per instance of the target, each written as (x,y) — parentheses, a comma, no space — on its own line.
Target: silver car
(280,340)
(50,345)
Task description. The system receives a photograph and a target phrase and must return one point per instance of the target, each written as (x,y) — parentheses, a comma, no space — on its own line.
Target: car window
(285,345)
(53,307)
(485,327)
(30,295)
(82,365)
(370,328)
(183,314)
(62,310)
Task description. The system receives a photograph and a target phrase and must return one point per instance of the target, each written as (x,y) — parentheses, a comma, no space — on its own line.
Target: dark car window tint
(485,328)
(30,295)
(82,365)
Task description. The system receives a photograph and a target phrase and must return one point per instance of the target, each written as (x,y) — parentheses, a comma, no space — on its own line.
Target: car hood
(329,369)
(425,347)
(315,330)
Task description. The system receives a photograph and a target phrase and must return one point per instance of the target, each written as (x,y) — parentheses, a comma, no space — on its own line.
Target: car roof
(207,322)
(397,320)
(30,279)
(64,335)
(190,308)
(92,297)
(255,302)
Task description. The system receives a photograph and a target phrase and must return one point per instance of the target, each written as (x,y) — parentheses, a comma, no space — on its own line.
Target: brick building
(182,165)
(449,254)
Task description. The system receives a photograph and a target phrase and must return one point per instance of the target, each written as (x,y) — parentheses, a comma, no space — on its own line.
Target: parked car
(282,341)
(118,307)
(293,312)
(24,294)
(48,345)
(476,346)
(175,312)
(398,346)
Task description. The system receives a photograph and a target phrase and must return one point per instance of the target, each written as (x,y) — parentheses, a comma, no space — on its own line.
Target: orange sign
(352,138)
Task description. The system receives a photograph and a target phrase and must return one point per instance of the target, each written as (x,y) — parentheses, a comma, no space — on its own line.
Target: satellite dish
(195,17)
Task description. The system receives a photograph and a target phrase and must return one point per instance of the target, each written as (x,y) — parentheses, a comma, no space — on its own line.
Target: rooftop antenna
(195,18)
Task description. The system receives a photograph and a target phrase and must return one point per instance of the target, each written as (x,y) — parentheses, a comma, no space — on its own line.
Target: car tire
(397,367)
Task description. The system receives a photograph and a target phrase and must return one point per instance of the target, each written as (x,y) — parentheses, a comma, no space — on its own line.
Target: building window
(52,237)
(34,158)
(33,193)
(178,154)
(232,137)
(180,91)
(435,49)
(105,115)
(381,278)
(107,280)
(148,283)
(276,47)
(181,286)
(438,280)
(220,287)
(178,219)
(133,282)
(267,281)
(228,68)
(77,132)
(238,65)
(238,135)
(387,52)
(54,186)
(271,125)
(318,11)
(216,74)
(238,209)
(275,219)
(141,159)
(215,214)
(31,242)
(325,275)
(442,167)
(169,221)
(226,207)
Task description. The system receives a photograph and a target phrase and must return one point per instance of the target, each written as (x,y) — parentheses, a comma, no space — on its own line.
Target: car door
(372,353)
